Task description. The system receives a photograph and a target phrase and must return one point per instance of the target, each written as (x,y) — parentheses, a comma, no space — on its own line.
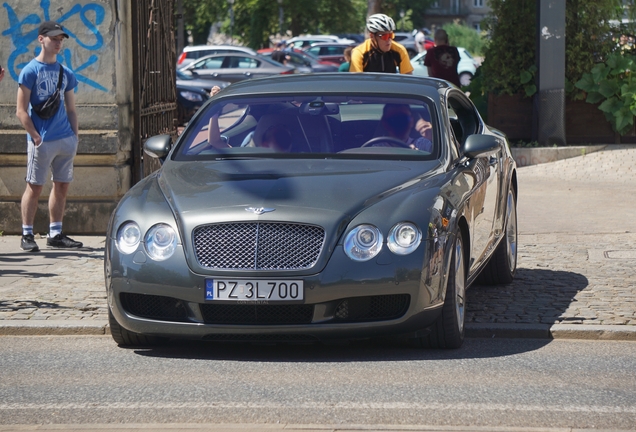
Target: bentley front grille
(258,246)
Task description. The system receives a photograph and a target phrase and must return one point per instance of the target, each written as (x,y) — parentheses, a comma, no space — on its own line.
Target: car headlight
(363,243)
(404,238)
(191,96)
(161,242)
(128,238)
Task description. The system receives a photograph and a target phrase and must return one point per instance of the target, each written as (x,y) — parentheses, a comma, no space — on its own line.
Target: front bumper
(345,300)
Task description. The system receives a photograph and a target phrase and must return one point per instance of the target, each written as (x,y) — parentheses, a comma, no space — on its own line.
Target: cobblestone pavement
(573,268)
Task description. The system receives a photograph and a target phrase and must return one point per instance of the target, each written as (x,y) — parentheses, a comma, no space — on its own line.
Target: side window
(244,63)
(463,119)
(213,63)
(314,50)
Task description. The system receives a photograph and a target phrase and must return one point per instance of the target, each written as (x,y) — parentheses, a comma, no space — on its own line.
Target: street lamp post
(231,3)
(280,17)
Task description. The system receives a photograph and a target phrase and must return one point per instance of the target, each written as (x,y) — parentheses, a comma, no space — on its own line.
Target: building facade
(467,12)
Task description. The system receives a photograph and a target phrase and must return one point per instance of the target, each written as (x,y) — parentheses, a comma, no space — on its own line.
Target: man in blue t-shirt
(52,138)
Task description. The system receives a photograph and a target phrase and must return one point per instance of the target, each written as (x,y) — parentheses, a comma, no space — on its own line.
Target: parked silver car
(235,67)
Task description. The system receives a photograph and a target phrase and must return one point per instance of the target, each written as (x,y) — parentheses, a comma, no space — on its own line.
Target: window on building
(478,3)
(455,6)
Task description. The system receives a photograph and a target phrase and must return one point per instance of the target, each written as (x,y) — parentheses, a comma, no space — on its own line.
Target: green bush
(510,53)
(465,37)
(613,84)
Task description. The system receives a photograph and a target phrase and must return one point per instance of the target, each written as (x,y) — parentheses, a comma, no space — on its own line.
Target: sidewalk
(576,273)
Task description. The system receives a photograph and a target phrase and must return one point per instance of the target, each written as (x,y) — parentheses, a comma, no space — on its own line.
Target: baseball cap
(51,28)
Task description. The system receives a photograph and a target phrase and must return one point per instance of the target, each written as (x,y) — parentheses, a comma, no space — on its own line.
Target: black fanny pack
(49,107)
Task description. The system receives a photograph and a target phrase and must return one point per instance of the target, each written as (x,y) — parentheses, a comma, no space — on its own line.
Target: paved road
(576,275)
(488,384)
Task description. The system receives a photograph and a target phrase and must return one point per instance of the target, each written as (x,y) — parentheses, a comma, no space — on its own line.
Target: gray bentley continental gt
(315,207)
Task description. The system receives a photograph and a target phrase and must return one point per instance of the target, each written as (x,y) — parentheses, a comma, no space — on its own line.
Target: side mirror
(480,145)
(158,146)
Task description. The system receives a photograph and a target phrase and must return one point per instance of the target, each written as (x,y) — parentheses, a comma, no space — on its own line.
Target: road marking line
(321,405)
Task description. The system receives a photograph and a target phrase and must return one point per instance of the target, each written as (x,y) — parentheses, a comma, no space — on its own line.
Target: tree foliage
(465,37)
(255,21)
(591,29)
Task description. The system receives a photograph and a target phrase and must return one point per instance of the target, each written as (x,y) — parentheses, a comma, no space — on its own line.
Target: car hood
(321,192)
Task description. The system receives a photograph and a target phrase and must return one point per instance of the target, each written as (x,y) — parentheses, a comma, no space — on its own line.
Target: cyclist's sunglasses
(385,36)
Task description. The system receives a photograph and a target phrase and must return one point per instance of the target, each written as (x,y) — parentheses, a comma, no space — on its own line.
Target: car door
(486,172)
(207,68)
(334,54)
(238,68)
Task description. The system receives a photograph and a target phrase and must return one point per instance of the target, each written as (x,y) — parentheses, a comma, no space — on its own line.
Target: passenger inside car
(277,138)
(398,121)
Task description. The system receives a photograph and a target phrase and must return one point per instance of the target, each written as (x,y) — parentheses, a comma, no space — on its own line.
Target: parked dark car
(303,62)
(192,93)
(301,208)
(234,67)
(329,51)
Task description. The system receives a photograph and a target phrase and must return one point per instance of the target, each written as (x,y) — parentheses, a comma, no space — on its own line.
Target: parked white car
(466,68)
(194,52)
(302,42)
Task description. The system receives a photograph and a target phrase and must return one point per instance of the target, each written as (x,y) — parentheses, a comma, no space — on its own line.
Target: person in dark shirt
(279,55)
(380,53)
(442,60)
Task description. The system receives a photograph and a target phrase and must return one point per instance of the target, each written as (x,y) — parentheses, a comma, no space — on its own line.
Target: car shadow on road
(536,296)
(359,351)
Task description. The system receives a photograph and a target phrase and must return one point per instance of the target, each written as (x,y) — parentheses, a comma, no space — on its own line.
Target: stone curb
(526,156)
(473,330)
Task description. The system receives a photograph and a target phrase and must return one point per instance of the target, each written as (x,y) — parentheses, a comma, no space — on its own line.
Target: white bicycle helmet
(380,23)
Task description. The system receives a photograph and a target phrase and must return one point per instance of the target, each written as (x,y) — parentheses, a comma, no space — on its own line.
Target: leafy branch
(612,84)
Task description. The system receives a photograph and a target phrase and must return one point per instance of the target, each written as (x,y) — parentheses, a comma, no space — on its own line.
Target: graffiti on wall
(23,32)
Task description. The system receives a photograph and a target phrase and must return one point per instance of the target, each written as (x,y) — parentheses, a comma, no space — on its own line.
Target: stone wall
(98,52)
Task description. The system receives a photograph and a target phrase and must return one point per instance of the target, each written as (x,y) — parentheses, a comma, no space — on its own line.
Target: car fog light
(161,242)
(404,238)
(363,243)
(128,238)
(342,311)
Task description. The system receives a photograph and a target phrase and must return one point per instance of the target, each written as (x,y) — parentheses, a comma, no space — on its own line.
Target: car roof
(339,83)
(191,48)
(345,44)
(256,56)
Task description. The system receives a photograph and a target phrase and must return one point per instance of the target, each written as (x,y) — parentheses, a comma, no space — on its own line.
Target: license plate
(253,290)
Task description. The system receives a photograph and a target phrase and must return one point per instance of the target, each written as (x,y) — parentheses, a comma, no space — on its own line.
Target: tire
(448,330)
(465,78)
(502,266)
(125,338)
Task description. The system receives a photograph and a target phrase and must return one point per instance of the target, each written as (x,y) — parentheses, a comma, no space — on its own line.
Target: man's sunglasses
(385,36)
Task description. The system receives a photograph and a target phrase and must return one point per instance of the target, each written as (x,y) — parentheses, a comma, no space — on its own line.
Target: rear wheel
(126,338)
(465,78)
(502,266)
(448,330)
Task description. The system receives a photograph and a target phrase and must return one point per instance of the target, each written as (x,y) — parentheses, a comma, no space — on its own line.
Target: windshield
(312,126)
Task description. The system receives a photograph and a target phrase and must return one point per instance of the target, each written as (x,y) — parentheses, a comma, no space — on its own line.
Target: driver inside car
(398,120)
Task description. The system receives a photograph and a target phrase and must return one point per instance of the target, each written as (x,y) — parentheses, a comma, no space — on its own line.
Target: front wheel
(448,330)
(502,266)
(126,338)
